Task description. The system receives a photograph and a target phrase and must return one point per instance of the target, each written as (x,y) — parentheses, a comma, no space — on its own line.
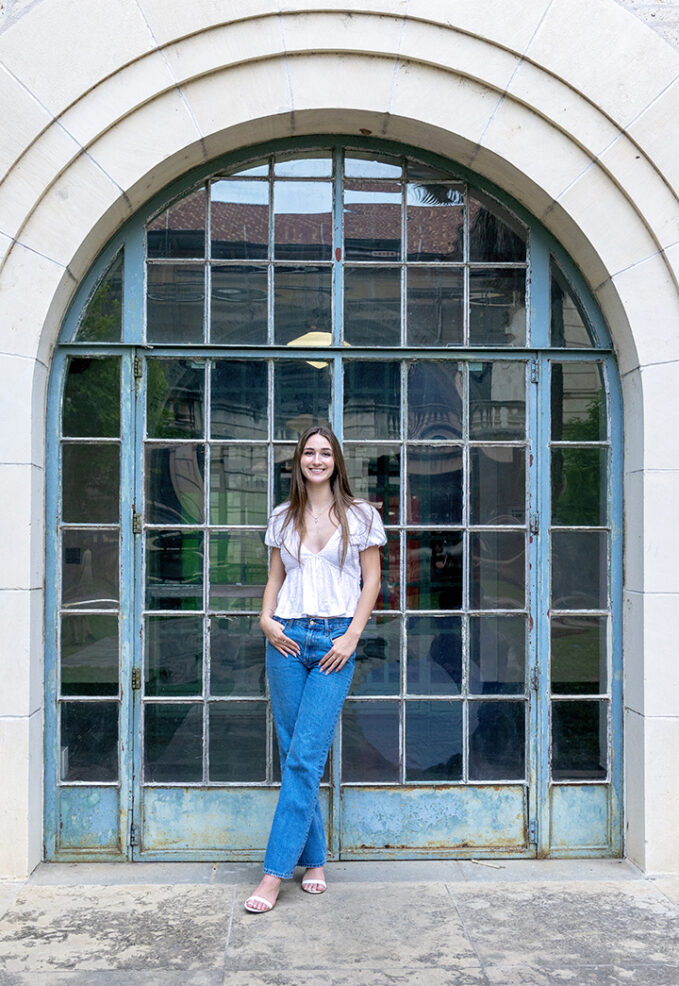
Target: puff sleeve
(272,538)
(369,527)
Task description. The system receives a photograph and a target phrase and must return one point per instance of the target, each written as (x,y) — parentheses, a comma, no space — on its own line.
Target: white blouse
(316,584)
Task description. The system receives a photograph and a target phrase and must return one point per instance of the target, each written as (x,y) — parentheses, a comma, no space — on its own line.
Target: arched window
(455,350)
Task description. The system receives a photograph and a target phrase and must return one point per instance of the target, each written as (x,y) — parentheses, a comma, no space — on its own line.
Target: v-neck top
(316,584)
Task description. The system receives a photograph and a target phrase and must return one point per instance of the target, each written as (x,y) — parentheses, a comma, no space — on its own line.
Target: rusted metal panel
(88,819)
(579,816)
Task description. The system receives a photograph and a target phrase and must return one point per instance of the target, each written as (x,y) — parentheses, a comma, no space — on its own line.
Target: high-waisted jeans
(306,705)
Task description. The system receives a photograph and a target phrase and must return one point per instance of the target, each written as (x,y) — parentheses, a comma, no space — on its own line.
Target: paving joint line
(482,966)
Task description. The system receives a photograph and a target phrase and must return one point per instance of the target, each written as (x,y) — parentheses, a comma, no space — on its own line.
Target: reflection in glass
(434,655)
(497,307)
(497,655)
(302,306)
(238,570)
(174,484)
(102,320)
(579,569)
(90,569)
(378,658)
(370,742)
(89,654)
(390,558)
(239,220)
(302,220)
(498,485)
(497,400)
(372,220)
(282,471)
(433,741)
(238,312)
(418,171)
(435,220)
(435,315)
(579,741)
(173,742)
(434,484)
(301,397)
(578,655)
(173,655)
(497,570)
(434,401)
(309,164)
(239,399)
(90,483)
(179,231)
(174,570)
(578,402)
(260,170)
(174,402)
(238,741)
(238,481)
(497,741)
(236,656)
(369,165)
(175,303)
(91,405)
(494,233)
(434,570)
(372,399)
(89,741)
(568,323)
(579,486)
(374,473)
(372,306)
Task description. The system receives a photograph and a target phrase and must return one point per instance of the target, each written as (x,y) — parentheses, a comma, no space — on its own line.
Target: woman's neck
(319,496)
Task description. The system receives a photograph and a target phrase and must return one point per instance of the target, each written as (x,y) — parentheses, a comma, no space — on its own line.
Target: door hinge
(136,679)
(134,838)
(534,523)
(534,679)
(533,830)
(136,522)
(534,371)
(138,367)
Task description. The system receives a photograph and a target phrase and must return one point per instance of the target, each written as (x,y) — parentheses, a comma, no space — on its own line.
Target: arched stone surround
(567,105)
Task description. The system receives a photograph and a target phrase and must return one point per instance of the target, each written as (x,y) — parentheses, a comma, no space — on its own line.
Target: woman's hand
(274,633)
(340,652)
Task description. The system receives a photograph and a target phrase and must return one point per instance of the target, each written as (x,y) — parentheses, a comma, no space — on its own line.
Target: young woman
(324,577)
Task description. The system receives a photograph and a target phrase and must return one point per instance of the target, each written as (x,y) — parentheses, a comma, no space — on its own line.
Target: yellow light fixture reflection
(313,339)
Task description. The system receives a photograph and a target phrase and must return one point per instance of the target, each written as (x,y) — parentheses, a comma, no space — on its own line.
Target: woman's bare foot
(313,880)
(268,889)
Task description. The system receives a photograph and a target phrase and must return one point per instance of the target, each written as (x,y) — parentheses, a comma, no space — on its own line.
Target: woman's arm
(344,646)
(273,631)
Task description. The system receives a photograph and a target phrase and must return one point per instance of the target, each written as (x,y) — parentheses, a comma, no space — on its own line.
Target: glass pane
(90,483)
(579,741)
(175,303)
(174,402)
(434,484)
(435,315)
(497,741)
(579,486)
(174,484)
(568,324)
(282,471)
(251,171)
(92,398)
(239,399)
(372,220)
(390,557)
(239,306)
(372,400)
(378,658)
(498,485)
(494,233)
(578,651)
(303,306)
(497,307)
(301,397)
(497,570)
(418,171)
(434,655)
(435,220)
(434,570)
(180,230)
(302,220)
(236,656)
(306,165)
(89,655)
(90,569)
(89,741)
(238,570)
(578,402)
(372,306)
(374,473)
(497,400)
(174,655)
(579,569)
(434,401)
(102,320)
(370,741)
(497,655)
(369,165)
(239,220)
(433,741)
(174,570)
(238,483)
(238,741)
(173,742)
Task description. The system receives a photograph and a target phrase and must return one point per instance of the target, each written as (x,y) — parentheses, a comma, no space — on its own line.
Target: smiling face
(317,460)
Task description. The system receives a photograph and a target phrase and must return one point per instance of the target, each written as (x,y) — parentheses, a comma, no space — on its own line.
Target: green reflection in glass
(92,398)
(578,402)
(89,654)
(174,655)
(579,486)
(102,320)
(579,655)
(237,741)
(238,570)
(174,484)
(174,402)
(174,570)
(90,483)
(238,484)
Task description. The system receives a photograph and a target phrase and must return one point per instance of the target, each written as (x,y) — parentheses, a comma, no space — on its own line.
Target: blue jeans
(306,704)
